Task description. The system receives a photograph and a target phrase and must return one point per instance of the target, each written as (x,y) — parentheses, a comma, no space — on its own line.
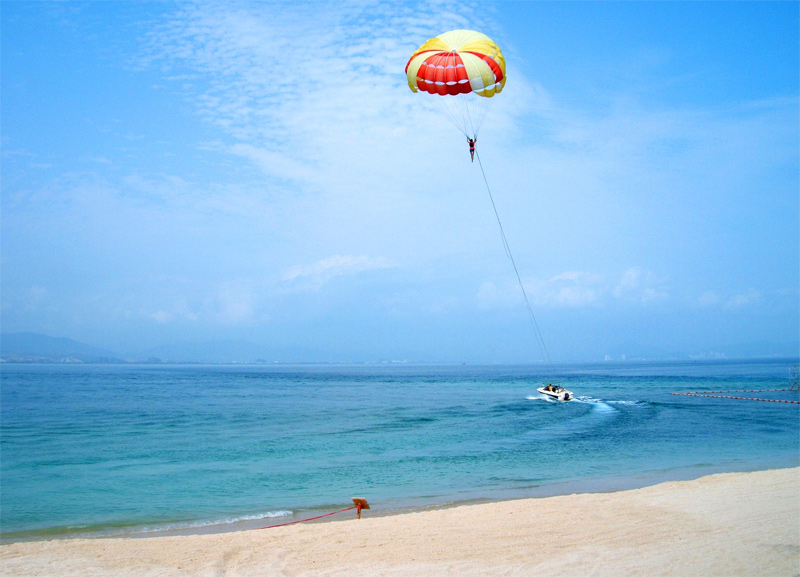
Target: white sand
(727,525)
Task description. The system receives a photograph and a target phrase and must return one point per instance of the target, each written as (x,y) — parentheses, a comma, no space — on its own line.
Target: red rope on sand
(304,520)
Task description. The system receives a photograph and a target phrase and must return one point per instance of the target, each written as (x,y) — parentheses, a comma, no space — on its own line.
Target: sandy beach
(728,524)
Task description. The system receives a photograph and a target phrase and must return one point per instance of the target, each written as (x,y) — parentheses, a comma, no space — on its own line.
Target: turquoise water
(107,449)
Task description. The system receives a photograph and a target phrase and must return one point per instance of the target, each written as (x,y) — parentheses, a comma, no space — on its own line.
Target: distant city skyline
(260,172)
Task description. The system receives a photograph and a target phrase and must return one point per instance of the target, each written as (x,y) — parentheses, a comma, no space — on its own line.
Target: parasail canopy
(460,65)
(457,62)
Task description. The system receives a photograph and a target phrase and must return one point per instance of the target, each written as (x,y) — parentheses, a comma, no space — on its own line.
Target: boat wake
(598,407)
(581,400)
(629,403)
(600,404)
(583,414)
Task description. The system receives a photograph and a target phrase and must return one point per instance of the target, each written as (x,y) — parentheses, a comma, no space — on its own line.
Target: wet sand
(726,525)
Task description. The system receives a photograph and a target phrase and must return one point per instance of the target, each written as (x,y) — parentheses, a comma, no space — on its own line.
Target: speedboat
(558,393)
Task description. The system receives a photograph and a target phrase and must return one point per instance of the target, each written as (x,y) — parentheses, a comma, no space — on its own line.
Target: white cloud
(162,317)
(630,280)
(234,304)
(277,164)
(316,274)
(641,285)
(309,143)
(733,301)
(311,99)
(228,304)
(575,296)
(173,309)
(491,297)
(572,289)
(576,276)
(577,289)
(708,298)
(742,300)
(650,294)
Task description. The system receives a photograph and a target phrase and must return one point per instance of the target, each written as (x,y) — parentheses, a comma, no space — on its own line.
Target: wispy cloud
(742,300)
(640,285)
(233,304)
(579,289)
(316,274)
(299,171)
(708,299)
(269,76)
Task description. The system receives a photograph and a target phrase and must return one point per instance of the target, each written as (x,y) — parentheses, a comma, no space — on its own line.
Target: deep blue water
(101,448)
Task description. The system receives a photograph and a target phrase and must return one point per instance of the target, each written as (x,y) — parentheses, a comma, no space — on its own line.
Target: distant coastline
(36,360)
(36,348)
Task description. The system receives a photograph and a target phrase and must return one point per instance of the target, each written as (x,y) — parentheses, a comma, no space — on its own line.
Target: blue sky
(186,172)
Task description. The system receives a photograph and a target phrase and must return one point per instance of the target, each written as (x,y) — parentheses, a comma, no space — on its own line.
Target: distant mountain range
(38,348)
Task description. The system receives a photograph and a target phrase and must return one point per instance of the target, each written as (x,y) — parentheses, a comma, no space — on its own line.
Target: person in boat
(472,147)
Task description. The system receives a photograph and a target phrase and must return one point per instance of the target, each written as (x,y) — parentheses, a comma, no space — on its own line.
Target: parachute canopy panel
(457,62)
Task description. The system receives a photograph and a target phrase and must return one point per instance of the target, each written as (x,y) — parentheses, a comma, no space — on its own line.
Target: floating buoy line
(720,395)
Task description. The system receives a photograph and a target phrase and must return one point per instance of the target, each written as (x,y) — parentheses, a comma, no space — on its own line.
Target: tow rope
(531,316)
(717,395)
(359,504)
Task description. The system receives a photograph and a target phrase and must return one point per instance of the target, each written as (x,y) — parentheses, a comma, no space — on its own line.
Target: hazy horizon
(17,347)
(260,172)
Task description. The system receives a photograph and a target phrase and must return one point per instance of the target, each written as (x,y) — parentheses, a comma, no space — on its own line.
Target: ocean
(98,450)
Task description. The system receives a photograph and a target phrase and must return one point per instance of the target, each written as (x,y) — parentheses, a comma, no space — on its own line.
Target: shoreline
(256,521)
(721,524)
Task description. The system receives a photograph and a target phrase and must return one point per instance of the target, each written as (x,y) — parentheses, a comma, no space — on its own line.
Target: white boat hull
(558,393)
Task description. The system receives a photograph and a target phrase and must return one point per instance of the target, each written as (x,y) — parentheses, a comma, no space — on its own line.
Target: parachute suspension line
(474,110)
(464,111)
(460,112)
(534,324)
(452,110)
(468,122)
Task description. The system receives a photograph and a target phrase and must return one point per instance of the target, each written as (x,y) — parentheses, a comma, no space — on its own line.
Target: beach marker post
(360,504)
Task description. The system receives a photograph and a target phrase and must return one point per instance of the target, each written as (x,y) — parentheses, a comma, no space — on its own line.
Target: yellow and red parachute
(464,69)
(460,65)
